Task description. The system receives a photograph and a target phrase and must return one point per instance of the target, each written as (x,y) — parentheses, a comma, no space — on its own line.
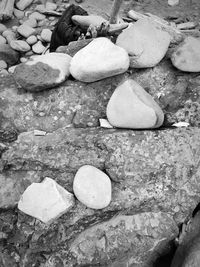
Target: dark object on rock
(65,30)
(73,47)
(9,55)
(188,251)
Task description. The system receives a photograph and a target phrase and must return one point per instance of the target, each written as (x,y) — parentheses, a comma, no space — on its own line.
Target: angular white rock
(46,201)
(46,35)
(145,44)
(130,106)
(105,124)
(92,187)
(98,60)
(187,56)
(20,45)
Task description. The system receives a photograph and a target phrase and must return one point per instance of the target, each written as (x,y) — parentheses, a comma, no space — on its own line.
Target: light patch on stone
(59,61)
(181,124)
(45,201)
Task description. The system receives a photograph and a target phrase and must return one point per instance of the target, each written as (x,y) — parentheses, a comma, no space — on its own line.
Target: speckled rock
(43,72)
(186,57)
(9,55)
(25,30)
(98,60)
(131,106)
(145,44)
(45,201)
(92,187)
(20,45)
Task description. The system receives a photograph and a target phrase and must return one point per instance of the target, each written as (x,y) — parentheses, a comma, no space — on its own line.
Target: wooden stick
(115,10)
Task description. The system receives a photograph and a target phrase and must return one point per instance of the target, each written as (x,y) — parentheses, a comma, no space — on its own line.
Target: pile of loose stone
(141,45)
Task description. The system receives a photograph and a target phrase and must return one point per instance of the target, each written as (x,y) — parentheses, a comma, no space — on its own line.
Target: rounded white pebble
(31,40)
(92,187)
(23,59)
(46,35)
(38,48)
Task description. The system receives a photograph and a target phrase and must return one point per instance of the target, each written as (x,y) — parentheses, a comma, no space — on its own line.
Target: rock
(9,55)
(92,187)
(25,30)
(12,69)
(23,59)
(51,6)
(98,60)
(37,16)
(46,35)
(50,69)
(31,40)
(145,44)
(86,21)
(9,35)
(18,13)
(2,28)
(3,65)
(4,72)
(2,40)
(46,201)
(38,48)
(23,4)
(186,57)
(20,45)
(31,22)
(131,106)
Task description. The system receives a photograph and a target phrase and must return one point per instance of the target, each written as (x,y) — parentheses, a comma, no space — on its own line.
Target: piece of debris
(130,106)
(39,133)
(173,2)
(105,124)
(92,187)
(98,60)
(45,201)
(181,124)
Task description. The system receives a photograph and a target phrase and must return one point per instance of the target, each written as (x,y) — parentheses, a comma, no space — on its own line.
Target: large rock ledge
(155,179)
(77,104)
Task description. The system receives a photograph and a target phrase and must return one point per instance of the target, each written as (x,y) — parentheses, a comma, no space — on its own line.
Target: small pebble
(31,22)
(2,40)
(29,53)
(20,45)
(38,48)
(37,16)
(31,40)
(2,28)
(18,13)
(23,59)
(46,35)
(25,30)
(3,65)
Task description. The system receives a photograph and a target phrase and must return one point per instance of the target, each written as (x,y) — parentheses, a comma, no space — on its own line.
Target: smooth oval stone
(130,106)
(31,22)
(38,48)
(187,56)
(25,30)
(37,16)
(86,21)
(46,35)
(31,40)
(20,45)
(92,187)
(43,72)
(145,44)
(46,201)
(98,60)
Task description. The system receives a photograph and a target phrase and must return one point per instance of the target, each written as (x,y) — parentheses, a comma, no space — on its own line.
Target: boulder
(9,55)
(92,187)
(98,60)
(131,106)
(186,56)
(43,72)
(46,201)
(145,44)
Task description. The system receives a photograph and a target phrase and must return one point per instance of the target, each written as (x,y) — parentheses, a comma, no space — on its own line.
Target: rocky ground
(155,174)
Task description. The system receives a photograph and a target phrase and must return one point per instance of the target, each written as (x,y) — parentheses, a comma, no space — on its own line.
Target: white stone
(23,59)
(31,40)
(22,4)
(39,133)
(130,106)
(92,187)
(37,16)
(38,48)
(187,56)
(20,45)
(25,30)
(145,44)
(173,2)
(2,40)
(105,124)
(12,69)
(181,124)
(46,35)
(51,6)
(98,60)
(31,22)
(46,201)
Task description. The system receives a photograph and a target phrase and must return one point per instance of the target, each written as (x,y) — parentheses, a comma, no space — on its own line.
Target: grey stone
(9,55)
